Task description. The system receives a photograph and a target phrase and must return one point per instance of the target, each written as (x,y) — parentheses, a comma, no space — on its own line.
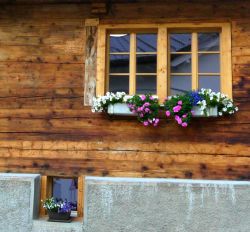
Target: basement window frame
(163,31)
(47,192)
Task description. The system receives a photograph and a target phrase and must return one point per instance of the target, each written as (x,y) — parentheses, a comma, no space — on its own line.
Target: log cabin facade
(52,64)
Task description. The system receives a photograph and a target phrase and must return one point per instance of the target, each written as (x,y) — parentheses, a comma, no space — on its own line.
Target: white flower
(236,108)
(220,113)
(224,109)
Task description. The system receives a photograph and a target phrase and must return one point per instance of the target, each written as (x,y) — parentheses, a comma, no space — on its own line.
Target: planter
(120,109)
(211,112)
(59,217)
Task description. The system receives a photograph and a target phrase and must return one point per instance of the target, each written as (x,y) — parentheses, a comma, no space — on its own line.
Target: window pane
(65,190)
(180,63)
(146,63)
(119,64)
(119,42)
(180,84)
(119,84)
(209,63)
(146,84)
(180,42)
(210,82)
(209,41)
(146,42)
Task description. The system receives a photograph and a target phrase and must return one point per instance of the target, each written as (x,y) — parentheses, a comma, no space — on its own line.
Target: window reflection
(119,42)
(209,41)
(180,84)
(146,42)
(146,84)
(146,63)
(210,82)
(119,64)
(66,190)
(180,63)
(119,83)
(209,63)
(180,42)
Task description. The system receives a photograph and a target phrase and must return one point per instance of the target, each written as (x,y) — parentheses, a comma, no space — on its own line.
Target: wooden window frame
(163,64)
(47,189)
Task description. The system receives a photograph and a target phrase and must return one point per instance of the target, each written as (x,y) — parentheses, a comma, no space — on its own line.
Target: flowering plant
(211,99)
(180,107)
(101,103)
(58,207)
(146,107)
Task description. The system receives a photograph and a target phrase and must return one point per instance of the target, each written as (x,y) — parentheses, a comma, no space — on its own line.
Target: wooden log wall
(45,128)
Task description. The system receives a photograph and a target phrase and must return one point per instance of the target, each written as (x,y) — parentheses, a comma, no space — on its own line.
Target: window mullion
(194,60)
(162,43)
(132,64)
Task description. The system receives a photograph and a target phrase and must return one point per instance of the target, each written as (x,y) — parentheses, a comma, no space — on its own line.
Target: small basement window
(64,189)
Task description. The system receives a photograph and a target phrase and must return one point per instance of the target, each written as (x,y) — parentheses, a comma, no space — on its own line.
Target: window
(64,188)
(164,59)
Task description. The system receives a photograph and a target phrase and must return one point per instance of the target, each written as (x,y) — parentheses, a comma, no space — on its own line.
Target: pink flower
(184,115)
(178,119)
(184,124)
(141,115)
(147,110)
(180,102)
(143,97)
(192,112)
(176,108)
(168,113)
(151,98)
(145,123)
(146,104)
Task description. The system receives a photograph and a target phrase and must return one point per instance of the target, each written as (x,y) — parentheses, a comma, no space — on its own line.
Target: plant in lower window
(146,107)
(57,211)
(180,107)
(101,103)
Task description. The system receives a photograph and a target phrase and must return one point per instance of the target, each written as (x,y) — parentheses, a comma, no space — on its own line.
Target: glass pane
(209,63)
(119,64)
(119,42)
(180,84)
(65,190)
(180,63)
(146,84)
(210,82)
(209,41)
(146,63)
(119,84)
(146,42)
(180,42)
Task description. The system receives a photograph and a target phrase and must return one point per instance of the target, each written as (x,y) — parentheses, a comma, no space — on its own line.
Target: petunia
(143,97)
(177,108)
(168,113)
(180,102)
(184,115)
(184,124)
(145,123)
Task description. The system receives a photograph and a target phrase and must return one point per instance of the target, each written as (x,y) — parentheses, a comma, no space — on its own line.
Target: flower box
(211,112)
(119,109)
(59,217)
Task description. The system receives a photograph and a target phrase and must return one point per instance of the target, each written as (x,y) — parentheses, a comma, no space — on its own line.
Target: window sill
(42,224)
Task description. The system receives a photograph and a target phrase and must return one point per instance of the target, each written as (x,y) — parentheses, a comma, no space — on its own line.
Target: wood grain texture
(44,127)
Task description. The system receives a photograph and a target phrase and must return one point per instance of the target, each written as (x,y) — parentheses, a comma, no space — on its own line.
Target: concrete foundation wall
(132,205)
(157,205)
(19,201)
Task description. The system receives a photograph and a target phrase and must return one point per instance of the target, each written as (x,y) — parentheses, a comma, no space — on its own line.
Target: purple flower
(147,110)
(145,123)
(146,104)
(143,97)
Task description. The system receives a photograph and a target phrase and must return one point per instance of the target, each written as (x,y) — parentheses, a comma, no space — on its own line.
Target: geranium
(180,107)
(146,107)
(101,103)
